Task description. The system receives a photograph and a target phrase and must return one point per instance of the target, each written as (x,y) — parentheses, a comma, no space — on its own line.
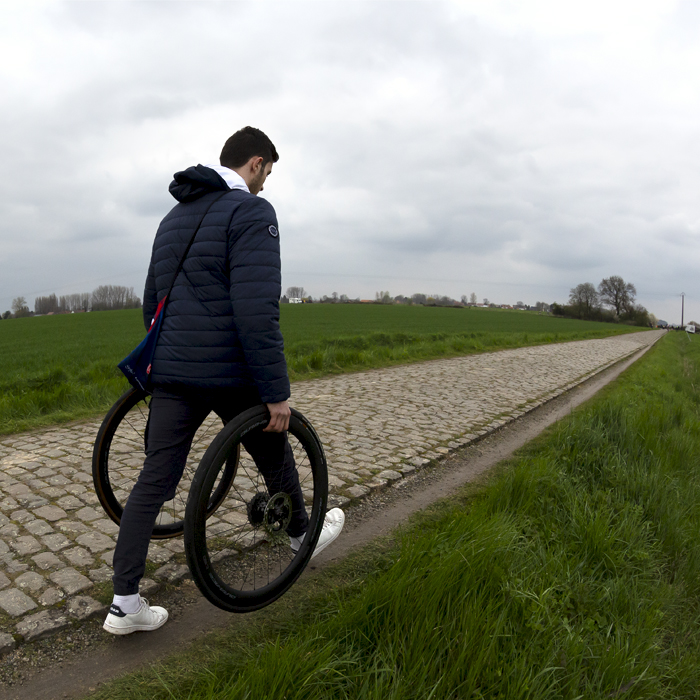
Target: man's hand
(279,417)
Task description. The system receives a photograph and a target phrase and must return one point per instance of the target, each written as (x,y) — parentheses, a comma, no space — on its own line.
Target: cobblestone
(376,426)
(25,545)
(15,603)
(71,581)
(51,596)
(42,624)
(47,560)
(30,581)
(83,607)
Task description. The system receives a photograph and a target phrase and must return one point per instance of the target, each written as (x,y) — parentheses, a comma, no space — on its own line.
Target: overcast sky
(511,149)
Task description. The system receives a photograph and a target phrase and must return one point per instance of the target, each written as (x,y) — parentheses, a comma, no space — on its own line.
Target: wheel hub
(278,514)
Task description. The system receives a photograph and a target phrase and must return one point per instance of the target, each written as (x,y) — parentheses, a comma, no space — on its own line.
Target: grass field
(574,572)
(58,368)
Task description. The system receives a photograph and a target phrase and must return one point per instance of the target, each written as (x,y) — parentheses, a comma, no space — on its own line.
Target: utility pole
(682,308)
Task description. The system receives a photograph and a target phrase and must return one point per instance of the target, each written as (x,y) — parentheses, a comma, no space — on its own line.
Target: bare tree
(18,303)
(584,298)
(107,298)
(296,293)
(472,298)
(615,292)
(19,307)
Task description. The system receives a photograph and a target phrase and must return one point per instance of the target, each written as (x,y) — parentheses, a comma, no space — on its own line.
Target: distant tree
(20,308)
(464,299)
(296,292)
(584,299)
(486,301)
(106,298)
(344,298)
(383,297)
(472,298)
(542,306)
(46,305)
(7,314)
(617,293)
(419,299)
(638,316)
(18,303)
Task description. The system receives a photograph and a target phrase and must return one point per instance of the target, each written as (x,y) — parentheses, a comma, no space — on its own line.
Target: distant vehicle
(690,328)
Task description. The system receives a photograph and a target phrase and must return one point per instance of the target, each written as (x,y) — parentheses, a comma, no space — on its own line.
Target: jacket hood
(193,183)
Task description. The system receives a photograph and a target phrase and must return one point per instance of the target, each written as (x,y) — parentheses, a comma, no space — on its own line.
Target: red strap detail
(159,310)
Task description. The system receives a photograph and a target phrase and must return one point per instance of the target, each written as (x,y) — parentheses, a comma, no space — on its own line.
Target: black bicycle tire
(196,550)
(100,468)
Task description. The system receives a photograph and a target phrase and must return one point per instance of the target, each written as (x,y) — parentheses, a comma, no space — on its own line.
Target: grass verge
(573,573)
(325,356)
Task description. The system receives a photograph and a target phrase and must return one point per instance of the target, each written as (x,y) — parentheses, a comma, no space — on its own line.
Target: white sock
(128,604)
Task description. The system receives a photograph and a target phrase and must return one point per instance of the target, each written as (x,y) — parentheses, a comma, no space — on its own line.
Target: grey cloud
(419,142)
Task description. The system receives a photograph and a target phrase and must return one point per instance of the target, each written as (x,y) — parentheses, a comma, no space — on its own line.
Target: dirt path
(76,662)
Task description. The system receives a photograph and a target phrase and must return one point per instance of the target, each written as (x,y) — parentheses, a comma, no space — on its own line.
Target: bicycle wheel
(241,558)
(118,456)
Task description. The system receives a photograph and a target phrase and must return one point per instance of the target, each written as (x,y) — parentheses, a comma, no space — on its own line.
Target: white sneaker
(332,525)
(146,619)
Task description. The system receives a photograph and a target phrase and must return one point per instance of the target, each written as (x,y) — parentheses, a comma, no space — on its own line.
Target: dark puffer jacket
(221,327)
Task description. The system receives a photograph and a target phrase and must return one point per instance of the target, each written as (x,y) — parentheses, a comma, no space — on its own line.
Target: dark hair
(245,144)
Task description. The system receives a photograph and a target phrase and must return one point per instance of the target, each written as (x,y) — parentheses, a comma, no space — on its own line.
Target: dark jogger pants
(173,420)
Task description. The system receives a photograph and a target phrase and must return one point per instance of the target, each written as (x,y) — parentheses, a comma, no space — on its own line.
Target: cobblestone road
(56,543)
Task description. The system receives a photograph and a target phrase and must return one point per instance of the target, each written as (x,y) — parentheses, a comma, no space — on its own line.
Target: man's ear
(256,163)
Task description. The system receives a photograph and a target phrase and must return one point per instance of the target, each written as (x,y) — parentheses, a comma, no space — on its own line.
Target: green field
(58,368)
(572,572)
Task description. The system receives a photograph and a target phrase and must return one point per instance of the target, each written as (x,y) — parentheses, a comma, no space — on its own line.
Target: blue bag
(137,365)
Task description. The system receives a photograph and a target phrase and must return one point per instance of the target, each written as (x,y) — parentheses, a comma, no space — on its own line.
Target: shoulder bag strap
(187,250)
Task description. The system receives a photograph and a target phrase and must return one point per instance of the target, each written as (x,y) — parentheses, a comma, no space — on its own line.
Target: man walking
(220,348)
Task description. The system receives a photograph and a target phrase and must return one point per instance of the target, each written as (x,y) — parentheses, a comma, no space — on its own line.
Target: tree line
(613,301)
(385,297)
(589,303)
(107,297)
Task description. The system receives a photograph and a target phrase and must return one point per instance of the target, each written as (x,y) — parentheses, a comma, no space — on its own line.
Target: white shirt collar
(231,177)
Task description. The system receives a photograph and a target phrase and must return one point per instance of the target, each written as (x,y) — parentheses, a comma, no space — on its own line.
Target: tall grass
(575,573)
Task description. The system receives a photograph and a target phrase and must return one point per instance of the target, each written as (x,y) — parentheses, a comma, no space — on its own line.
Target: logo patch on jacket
(273,231)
